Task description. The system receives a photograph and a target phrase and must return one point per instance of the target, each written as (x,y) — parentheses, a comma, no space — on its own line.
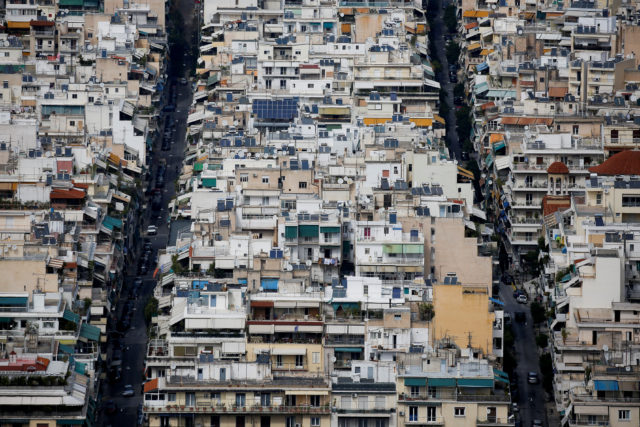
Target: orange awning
(368,121)
(437,118)
(422,122)
(558,92)
(496,137)
(475,14)
(470,25)
(151,385)
(19,25)
(474,46)
(486,52)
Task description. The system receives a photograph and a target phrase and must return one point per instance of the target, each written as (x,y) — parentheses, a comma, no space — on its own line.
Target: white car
(128,391)
(522,299)
(152,230)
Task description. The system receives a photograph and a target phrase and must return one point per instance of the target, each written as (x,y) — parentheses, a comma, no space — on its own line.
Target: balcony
(344,341)
(227,408)
(432,421)
(490,421)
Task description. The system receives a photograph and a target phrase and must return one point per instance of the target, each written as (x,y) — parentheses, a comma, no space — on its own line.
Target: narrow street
(453,142)
(531,397)
(134,297)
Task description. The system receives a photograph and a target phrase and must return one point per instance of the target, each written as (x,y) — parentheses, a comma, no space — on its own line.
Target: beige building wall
(462,312)
(454,253)
(26,275)
(367,26)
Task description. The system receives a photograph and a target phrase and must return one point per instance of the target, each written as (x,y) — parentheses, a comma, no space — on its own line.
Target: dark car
(517,293)
(464,156)
(453,78)
(110,407)
(458,100)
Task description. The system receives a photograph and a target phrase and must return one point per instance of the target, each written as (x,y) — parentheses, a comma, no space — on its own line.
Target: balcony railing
(222,408)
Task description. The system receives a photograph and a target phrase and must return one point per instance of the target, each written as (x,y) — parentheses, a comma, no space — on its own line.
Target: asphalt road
(134,341)
(453,142)
(530,396)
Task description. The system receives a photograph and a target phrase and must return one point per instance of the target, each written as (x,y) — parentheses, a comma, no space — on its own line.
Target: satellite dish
(340,181)
(289,267)
(308,263)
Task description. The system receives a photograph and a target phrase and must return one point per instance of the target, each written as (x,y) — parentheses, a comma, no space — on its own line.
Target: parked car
(537,423)
(532,378)
(128,391)
(110,407)
(152,230)
(464,156)
(522,299)
(517,293)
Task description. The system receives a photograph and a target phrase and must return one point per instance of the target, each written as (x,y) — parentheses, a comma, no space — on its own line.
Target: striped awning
(55,263)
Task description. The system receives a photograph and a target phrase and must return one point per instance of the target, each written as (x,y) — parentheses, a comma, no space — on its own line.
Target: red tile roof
(558,168)
(61,193)
(622,163)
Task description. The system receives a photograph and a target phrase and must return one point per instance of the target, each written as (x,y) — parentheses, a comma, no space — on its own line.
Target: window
(290,422)
(315,400)
(315,357)
(366,252)
(5,84)
(265,399)
(431,413)
(302,184)
(381,402)
(279,361)
(315,421)
(363,402)
(345,402)
(367,232)
(415,391)
(74,96)
(386,230)
(576,128)
(599,198)
(310,85)
(299,361)
(265,179)
(397,317)
(239,420)
(72,122)
(365,288)
(413,413)
(241,399)
(624,415)
(459,411)
(171,397)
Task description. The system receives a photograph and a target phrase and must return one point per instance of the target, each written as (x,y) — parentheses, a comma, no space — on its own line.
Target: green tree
(546,367)
(150,309)
(426,311)
(453,52)
(542,340)
(450,19)
(537,312)
(458,90)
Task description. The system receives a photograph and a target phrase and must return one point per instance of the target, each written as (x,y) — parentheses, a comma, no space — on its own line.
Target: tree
(150,309)
(537,312)
(458,90)
(542,340)
(453,52)
(450,19)
(426,311)
(546,367)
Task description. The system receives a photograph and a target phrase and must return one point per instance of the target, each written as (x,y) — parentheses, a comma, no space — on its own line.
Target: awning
(269,284)
(469,224)
(474,46)
(465,173)
(209,182)
(500,373)
(605,385)
(90,332)
(111,222)
(482,66)
(80,368)
(308,231)
(23,25)
(291,232)
(345,305)
(348,349)
(441,382)
(262,304)
(289,351)
(329,229)
(499,145)
(415,382)
(475,382)
(13,301)
(71,316)
(66,349)
(309,392)
(591,410)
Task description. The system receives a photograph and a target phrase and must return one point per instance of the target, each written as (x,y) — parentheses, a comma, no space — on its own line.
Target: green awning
(291,232)
(70,2)
(441,382)
(329,229)
(198,167)
(333,127)
(90,332)
(500,373)
(392,249)
(489,160)
(499,378)
(498,145)
(71,316)
(111,222)
(346,247)
(413,249)
(80,368)
(345,305)
(5,319)
(66,349)
(70,422)
(14,301)
(475,382)
(213,79)
(415,382)
(209,182)
(308,230)
(349,349)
